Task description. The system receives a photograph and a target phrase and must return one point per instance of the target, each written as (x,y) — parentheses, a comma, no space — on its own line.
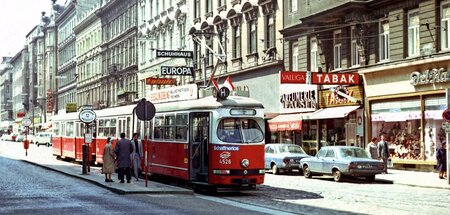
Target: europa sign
(174,54)
(177,70)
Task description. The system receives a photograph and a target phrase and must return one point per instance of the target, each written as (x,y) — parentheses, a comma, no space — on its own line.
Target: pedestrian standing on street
(136,156)
(109,165)
(372,149)
(123,152)
(383,151)
(441,157)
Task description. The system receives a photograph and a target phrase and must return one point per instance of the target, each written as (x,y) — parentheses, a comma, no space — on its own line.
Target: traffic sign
(26,122)
(87,115)
(446,115)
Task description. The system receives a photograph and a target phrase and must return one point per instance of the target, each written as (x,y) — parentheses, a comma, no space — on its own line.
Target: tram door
(198,146)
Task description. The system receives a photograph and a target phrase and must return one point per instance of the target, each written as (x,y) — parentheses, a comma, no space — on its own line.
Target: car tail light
(353,166)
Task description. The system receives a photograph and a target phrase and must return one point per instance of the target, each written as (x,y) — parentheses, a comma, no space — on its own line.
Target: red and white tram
(206,141)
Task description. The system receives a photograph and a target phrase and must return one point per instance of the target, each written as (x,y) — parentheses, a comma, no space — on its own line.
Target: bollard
(85,152)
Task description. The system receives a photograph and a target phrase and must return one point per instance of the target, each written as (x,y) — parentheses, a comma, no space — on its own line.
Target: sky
(17,19)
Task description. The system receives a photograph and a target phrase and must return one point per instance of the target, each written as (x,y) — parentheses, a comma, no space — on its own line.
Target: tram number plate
(225,161)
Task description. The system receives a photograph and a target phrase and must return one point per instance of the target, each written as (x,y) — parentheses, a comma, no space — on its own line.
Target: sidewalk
(416,179)
(42,156)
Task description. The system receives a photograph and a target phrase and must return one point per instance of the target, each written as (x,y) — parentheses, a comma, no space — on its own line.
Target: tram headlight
(245,163)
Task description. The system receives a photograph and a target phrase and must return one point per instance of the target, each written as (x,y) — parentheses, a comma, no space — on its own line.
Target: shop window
(400,122)
(434,133)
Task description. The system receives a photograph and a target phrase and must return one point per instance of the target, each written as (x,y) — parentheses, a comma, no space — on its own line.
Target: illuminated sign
(160,81)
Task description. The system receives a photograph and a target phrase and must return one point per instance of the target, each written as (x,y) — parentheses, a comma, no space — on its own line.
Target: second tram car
(206,141)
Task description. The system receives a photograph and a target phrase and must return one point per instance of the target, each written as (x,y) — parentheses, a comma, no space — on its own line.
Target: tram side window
(169,133)
(182,127)
(112,128)
(101,128)
(56,129)
(159,127)
(70,129)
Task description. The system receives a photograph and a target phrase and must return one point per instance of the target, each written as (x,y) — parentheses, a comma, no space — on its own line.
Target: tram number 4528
(225,158)
(225,161)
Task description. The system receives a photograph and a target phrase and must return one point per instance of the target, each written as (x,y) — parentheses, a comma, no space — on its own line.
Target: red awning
(287,122)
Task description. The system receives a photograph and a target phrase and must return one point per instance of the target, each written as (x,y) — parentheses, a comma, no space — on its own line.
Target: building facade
(19,65)
(6,116)
(118,53)
(66,58)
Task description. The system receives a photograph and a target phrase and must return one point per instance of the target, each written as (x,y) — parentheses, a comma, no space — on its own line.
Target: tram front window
(239,130)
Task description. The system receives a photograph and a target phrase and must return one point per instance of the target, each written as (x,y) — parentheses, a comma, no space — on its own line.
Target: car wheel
(370,178)
(48,144)
(274,169)
(337,176)
(37,144)
(307,172)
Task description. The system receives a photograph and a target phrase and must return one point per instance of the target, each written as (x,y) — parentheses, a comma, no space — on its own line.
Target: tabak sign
(289,77)
(160,81)
(332,98)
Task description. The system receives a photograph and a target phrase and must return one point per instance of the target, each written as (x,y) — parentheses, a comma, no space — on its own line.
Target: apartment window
(222,43)
(337,35)
(157,7)
(252,36)
(209,6)
(293,6)
(270,31)
(413,33)
(170,39)
(182,34)
(221,2)
(209,54)
(294,57)
(354,47)
(143,18)
(236,41)
(151,8)
(314,55)
(198,54)
(384,40)
(445,25)
(196,8)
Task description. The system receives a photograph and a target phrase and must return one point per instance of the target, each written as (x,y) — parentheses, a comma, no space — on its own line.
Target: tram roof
(209,103)
(199,104)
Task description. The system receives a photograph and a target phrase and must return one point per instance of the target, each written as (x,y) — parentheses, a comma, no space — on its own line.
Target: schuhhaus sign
(174,54)
(320,78)
(429,76)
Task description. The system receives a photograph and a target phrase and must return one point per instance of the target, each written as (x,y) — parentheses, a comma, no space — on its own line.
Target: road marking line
(245,206)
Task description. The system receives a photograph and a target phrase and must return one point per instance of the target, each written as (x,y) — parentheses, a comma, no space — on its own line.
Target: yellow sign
(71,107)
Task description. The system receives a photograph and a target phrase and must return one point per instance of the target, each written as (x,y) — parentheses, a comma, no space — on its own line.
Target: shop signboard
(174,54)
(341,96)
(177,70)
(298,98)
(160,81)
(179,93)
(292,77)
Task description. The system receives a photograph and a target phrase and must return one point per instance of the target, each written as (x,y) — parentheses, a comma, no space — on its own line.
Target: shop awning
(287,122)
(334,112)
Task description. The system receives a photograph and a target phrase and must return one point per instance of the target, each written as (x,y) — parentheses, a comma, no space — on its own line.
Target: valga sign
(289,77)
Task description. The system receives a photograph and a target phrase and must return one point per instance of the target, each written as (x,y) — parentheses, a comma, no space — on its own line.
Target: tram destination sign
(174,54)
(177,70)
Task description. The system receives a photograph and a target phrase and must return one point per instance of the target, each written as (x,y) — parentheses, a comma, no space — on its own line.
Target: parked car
(281,157)
(14,136)
(340,161)
(21,138)
(43,138)
(6,137)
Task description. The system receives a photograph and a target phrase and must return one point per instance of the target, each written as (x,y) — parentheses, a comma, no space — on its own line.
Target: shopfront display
(401,122)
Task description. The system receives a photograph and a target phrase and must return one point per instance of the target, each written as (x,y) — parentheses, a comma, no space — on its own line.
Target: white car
(43,138)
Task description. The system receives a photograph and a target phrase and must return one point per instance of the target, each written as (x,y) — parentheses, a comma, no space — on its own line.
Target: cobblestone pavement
(321,195)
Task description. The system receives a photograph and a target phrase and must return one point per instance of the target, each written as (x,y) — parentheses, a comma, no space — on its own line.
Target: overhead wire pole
(221,58)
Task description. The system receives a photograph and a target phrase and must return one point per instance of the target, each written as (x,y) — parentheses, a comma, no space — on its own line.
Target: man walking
(136,156)
(383,151)
(123,151)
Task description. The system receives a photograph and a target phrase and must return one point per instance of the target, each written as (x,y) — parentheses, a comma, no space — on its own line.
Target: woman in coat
(108,161)
(441,157)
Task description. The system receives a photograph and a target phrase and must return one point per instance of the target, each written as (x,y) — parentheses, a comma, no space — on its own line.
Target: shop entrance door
(350,135)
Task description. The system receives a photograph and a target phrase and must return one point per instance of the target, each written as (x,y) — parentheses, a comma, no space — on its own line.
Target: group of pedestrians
(380,151)
(125,156)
